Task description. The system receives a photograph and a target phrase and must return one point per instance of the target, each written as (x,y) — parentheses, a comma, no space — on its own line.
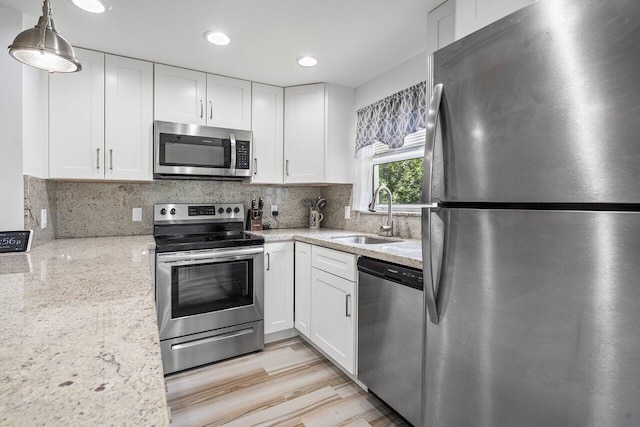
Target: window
(400,170)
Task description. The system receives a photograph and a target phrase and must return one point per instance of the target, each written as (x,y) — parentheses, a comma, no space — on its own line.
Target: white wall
(11,181)
(35,116)
(398,78)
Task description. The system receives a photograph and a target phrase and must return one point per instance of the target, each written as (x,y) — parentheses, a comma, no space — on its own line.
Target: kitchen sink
(365,240)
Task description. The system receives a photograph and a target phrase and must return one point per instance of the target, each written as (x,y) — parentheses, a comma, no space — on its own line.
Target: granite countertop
(406,252)
(79,335)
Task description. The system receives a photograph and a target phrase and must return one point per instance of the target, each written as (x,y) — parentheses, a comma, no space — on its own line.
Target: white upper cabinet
(471,15)
(441,23)
(319,129)
(267,107)
(193,97)
(228,102)
(128,119)
(180,95)
(76,120)
(101,120)
(304,134)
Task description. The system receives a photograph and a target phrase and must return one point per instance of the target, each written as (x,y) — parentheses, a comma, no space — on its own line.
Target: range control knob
(163,211)
(172,211)
(228,210)
(236,209)
(221,210)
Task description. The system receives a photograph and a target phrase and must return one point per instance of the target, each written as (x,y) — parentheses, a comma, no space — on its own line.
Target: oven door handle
(215,255)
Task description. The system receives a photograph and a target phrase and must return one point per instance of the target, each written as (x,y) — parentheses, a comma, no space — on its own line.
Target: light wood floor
(287,384)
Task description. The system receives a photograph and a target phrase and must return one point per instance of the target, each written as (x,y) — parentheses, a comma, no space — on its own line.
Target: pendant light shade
(42,47)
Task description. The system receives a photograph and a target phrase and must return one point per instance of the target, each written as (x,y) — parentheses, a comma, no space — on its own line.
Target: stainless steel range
(209,284)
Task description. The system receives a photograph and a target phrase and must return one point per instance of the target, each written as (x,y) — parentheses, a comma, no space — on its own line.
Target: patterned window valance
(391,119)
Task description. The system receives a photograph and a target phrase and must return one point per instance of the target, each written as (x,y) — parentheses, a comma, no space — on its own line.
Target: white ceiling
(354,40)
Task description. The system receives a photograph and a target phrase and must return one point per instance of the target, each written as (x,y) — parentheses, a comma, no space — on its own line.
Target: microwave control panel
(242,155)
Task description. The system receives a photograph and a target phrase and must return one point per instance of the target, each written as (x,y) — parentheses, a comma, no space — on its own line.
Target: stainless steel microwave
(200,152)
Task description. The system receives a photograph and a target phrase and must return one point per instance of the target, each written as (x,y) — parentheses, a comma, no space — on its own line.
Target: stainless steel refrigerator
(532,166)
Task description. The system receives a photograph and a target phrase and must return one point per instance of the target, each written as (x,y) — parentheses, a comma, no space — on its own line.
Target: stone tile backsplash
(39,194)
(88,209)
(92,209)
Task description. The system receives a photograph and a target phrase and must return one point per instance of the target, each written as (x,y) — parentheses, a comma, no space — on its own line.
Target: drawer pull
(212,339)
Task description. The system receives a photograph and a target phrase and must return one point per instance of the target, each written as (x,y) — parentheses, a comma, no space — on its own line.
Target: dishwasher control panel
(397,273)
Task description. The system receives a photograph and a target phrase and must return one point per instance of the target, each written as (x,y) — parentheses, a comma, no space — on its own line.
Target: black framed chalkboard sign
(15,241)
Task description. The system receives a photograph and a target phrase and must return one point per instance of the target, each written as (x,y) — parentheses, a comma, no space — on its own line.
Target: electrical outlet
(43,218)
(274,210)
(347,212)
(136,214)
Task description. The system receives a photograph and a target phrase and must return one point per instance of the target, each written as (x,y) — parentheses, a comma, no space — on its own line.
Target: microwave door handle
(232,168)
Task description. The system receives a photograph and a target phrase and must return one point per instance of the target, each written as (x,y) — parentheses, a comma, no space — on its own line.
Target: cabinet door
(278,287)
(304,133)
(76,120)
(302,308)
(228,102)
(441,25)
(471,15)
(179,95)
(129,119)
(267,123)
(332,317)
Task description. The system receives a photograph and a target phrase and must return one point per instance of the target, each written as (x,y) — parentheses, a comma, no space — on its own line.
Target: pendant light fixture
(42,47)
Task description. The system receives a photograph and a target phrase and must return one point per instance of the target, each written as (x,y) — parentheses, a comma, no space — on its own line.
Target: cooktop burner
(189,227)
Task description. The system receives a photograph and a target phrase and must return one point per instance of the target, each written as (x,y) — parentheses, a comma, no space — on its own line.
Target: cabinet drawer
(335,262)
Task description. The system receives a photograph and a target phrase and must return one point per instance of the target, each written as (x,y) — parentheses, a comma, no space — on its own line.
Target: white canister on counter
(314,218)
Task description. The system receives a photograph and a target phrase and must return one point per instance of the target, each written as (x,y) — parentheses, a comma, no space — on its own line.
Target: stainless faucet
(388,229)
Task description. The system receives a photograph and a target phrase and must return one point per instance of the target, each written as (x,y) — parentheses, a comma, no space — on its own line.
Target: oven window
(205,288)
(196,151)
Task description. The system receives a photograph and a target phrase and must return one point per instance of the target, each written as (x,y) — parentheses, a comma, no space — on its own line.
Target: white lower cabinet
(325,301)
(278,286)
(302,310)
(333,310)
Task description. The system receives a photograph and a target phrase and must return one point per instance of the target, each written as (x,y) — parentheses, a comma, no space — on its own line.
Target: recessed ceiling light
(217,38)
(307,61)
(93,6)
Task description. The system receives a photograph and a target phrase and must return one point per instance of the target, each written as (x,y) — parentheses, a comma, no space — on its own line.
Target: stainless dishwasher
(390,334)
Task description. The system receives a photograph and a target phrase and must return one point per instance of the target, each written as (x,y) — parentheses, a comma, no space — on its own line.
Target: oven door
(200,291)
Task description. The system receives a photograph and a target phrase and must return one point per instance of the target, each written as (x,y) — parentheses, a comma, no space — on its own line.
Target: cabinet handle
(110,158)
(347,312)
(255,166)
(211,110)
(286,167)
(201,109)
(98,158)
(268,261)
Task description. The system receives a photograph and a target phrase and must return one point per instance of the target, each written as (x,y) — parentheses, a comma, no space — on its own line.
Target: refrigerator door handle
(430,142)
(430,301)
(430,297)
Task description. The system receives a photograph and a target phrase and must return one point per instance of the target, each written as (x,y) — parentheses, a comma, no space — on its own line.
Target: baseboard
(280,335)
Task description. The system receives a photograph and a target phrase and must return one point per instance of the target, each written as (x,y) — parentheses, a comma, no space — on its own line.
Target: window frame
(413,148)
